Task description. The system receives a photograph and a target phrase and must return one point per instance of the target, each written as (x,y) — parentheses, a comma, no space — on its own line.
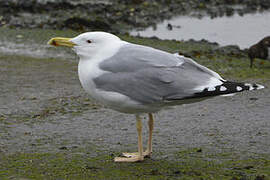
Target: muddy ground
(44,110)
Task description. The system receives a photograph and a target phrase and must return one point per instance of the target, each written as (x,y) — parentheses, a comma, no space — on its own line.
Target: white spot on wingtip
(211,89)
(211,83)
(223,88)
(238,88)
(250,86)
(259,86)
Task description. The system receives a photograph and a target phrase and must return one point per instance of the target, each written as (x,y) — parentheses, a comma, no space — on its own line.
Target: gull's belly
(116,101)
(88,71)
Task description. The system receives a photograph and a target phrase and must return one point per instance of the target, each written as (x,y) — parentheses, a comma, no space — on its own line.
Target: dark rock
(248,167)
(77,23)
(260,177)
(154,172)
(177,172)
(93,168)
(229,11)
(110,15)
(63,148)
(169,27)
(232,50)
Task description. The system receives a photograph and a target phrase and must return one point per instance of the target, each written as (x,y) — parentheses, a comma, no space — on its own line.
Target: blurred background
(237,22)
(50,129)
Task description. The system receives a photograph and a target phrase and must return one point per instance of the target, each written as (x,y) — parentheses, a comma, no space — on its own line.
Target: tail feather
(228,87)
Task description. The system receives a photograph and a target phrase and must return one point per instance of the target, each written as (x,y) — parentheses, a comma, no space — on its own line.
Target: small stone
(154,172)
(199,150)
(19,36)
(260,177)
(27,133)
(63,148)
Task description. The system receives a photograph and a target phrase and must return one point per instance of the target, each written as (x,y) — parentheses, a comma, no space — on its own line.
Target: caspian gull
(137,79)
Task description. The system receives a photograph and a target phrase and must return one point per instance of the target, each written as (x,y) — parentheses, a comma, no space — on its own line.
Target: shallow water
(237,30)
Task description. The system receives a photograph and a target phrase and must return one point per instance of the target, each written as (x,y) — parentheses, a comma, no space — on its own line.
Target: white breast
(89,69)
(87,72)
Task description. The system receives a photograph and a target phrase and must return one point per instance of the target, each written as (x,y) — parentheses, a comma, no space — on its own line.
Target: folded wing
(148,75)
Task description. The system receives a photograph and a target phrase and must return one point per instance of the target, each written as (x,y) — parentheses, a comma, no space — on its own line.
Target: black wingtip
(228,87)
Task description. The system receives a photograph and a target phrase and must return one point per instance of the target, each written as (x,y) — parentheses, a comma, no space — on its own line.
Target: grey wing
(149,76)
(131,57)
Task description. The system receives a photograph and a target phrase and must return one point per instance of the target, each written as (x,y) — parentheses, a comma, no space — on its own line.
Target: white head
(90,44)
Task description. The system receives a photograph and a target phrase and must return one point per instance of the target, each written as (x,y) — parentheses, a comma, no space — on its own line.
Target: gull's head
(88,45)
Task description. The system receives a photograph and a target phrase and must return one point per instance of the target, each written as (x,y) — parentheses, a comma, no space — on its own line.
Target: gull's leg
(140,143)
(148,151)
(135,156)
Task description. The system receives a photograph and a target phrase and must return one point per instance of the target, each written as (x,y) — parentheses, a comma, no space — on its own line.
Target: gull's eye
(88,41)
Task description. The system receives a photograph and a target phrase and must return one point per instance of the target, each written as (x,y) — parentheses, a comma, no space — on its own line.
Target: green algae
(188,164)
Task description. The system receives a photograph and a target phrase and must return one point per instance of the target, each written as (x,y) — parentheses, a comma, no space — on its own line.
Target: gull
(260,50)
(138,79)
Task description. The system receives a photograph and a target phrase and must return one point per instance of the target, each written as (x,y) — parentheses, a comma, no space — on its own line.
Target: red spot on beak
(54,43)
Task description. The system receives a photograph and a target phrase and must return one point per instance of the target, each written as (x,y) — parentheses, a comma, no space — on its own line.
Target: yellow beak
(60,41)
